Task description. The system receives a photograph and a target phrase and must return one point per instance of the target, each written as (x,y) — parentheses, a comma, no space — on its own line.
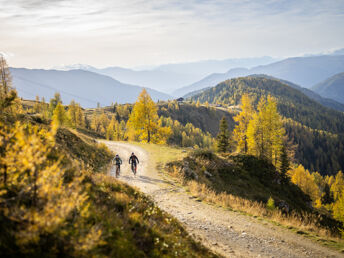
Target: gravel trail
(226,232)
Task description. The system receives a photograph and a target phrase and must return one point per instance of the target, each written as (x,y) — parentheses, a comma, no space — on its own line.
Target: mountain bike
(134,167)
(118,170)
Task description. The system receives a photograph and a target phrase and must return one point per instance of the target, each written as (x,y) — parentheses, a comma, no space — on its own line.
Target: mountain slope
(292,103)
(327,102)
(85,87)
(332,88)
(304,71)
(318,131)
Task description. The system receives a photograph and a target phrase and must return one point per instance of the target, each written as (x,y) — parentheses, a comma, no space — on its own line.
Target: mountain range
(303,71)
(169,77)
(85,87)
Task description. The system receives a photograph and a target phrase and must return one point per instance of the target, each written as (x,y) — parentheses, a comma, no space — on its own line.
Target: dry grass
(304,221)
(161,154)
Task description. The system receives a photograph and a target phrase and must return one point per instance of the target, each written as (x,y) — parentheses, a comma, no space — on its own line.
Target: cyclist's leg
(133,168)
(117,170)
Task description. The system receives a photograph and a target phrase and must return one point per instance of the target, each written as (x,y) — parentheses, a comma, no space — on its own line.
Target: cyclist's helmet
(116,155)
(132,153)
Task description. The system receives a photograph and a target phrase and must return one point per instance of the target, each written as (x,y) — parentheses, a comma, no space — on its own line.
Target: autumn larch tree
(53,103)
(144,120)
(59,115)
(265,132)
(223,136)
(243,119)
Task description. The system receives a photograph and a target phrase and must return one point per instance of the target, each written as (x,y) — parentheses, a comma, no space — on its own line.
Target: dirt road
(226,232)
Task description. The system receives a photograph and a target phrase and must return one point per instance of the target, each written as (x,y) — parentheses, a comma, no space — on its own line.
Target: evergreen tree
(285,166)
(243,119)
(327,196)
(223,136)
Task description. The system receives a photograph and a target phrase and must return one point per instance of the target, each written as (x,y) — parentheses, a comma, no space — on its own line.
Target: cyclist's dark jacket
(118,161)
(133,159)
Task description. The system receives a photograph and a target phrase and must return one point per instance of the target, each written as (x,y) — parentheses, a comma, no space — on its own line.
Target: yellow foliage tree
(75,115)
(337,186)
(35,200)
(243,119)
(338,207)
(265,132)
(143,121)
(59,115)
(110,130)
(302,177)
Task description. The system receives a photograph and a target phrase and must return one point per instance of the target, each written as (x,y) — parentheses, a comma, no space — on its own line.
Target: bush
(203,154)
(270,205)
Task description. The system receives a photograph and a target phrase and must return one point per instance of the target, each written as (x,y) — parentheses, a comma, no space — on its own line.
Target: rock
(208,174)
(189,173)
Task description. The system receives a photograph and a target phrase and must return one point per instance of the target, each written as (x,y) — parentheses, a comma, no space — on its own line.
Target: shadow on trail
(145,179)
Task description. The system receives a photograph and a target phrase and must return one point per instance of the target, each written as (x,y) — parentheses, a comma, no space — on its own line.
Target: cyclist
(132,160)
(117,160)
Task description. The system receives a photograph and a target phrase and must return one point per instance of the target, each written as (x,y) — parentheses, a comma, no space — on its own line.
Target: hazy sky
(37,33)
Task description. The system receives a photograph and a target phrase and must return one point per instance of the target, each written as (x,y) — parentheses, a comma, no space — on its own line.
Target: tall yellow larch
(243,119)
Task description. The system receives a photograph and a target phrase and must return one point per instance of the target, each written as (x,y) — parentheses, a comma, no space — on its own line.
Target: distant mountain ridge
(85,87)
(332,87)
(169,77)
(327,102)
(303,71)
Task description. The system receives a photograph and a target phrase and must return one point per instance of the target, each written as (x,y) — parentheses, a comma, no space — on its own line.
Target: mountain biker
(132,160)
(117,160)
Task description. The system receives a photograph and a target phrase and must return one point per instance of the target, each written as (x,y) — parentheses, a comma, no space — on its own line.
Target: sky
(130,33)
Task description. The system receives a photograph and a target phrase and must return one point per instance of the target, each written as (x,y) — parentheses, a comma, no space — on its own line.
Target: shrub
(270,205)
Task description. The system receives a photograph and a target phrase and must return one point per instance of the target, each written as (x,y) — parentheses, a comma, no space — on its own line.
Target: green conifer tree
(223,136)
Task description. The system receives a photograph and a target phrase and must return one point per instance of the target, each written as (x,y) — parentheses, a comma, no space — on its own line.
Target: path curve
(226,232)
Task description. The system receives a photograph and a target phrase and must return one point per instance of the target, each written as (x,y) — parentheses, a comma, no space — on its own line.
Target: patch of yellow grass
(162,154)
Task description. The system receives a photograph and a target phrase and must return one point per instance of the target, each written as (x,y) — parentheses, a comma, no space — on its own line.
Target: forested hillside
(318,121)
(332,87)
